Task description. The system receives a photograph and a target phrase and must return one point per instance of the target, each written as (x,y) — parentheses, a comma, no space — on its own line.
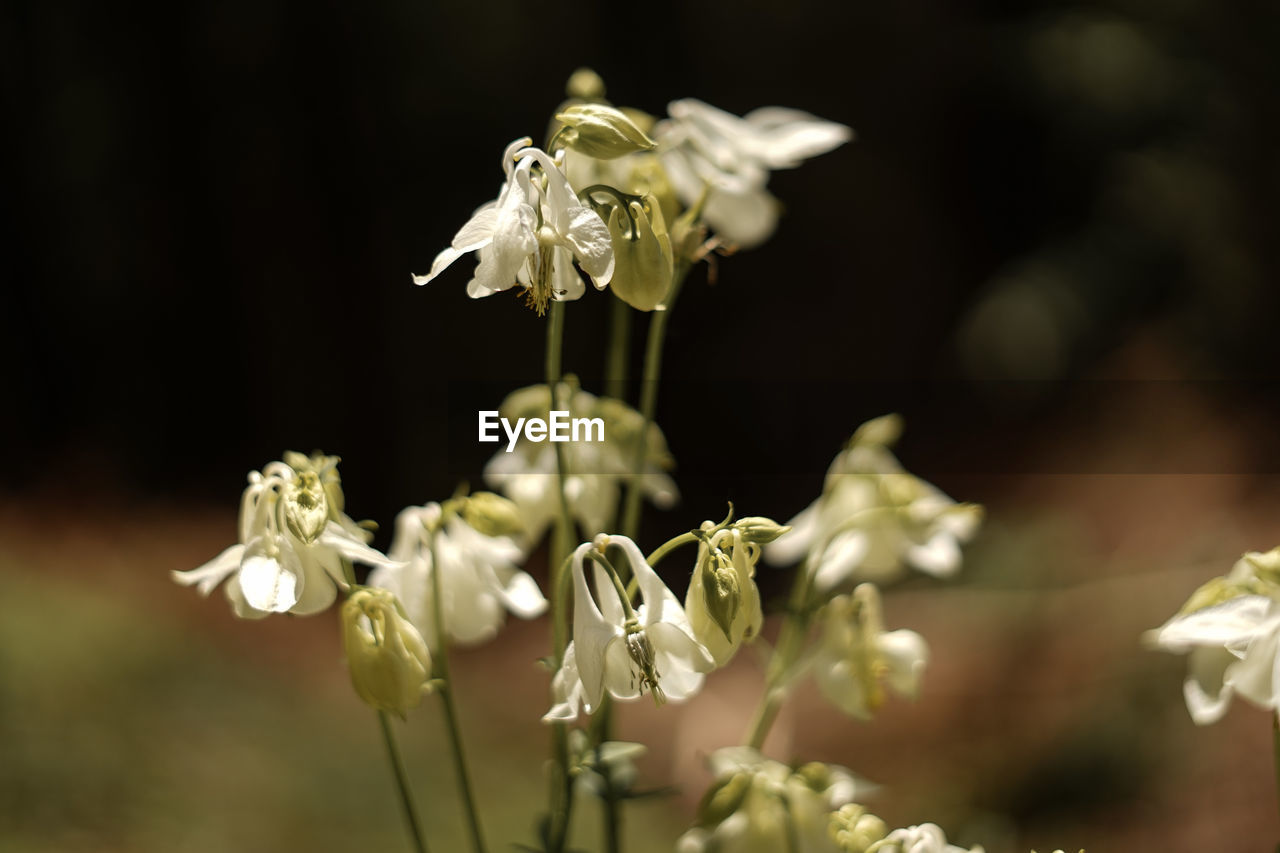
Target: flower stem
(402,783)
(615,370)
(561,794)
(649,399)
(441,659)
(1275,754)
(790,643)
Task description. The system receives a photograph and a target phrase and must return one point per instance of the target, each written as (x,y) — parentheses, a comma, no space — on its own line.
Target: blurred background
(1051,248)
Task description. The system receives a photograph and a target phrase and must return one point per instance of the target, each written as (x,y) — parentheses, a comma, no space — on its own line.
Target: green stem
(561,795)
(1275,754)
(441,660)
(649,400)
(402,783)
(790,643)
(615,371)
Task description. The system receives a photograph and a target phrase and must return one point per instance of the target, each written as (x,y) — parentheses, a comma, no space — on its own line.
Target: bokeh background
(1052,247)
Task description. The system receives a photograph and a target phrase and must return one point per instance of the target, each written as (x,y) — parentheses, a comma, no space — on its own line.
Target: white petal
(1230,623)
(338,539)
(479,229)
(591,634)
(940,556)
(566,284)
(1205,691)
(523,597)
(238,604)
(841,559)
(212,573)
(787,137)
(906,654)
(270,581)
(745,219)
(793,545)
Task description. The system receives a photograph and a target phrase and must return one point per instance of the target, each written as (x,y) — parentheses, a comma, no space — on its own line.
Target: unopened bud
(492,515)
(758,530)
(602,132)
(883,431)
(854,829)
(722,595)
(642,254)
(389,662)
(586,84)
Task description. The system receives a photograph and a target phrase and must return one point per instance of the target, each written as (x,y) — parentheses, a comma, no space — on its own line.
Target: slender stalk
(615,371)
(649,399)
(1275,754)
(441,660)
(790,643)
(561,794)
(402,783)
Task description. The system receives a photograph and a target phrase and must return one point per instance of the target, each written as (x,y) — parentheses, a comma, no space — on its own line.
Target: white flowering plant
(632,203)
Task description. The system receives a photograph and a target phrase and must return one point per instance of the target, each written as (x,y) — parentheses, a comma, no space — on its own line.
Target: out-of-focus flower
(703,148)
(854,829)
(723,602)
(1231,629)
(479,577)
(757,805)
(532,234)
(925,838)
(857,658)
(389,662)
(595,470)
(874,519)
(293,539)
(627,651)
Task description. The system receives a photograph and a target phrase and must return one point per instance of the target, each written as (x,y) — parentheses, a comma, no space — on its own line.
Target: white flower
(596,470)
(626,651)
(757,804)
(704,147)
(293,539)
(873,519)
(925,838)
(479,578)
(1231,629)
(858,658)
(532,234)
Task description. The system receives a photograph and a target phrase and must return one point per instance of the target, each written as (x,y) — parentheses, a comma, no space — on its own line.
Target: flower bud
(883,431)
(602,132)
(306,508)
(723,603)
(389,662)
(721,594)
(758,530)
(492,515)
(854,829)
(642,254)
(586,84)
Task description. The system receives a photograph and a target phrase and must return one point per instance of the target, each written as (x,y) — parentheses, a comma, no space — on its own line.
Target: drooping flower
(389,661)
(625,650)
(723,602)
(532,235)
(596,471)
(1230,629)
(757,805)
(874,519)
(858,659)
(707,149)
(479,577)
(294,538)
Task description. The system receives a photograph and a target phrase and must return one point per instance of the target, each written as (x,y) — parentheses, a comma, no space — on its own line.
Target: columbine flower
(622,650)
(723,602)
(479,578)
(532,234)
(858,658)
(874,519)
(1231,629)
(757,804)
(596,470)
(293,539)
(389,662)
(706,148)
(925,838)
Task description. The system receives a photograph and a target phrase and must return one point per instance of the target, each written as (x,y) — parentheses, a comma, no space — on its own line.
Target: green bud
(855,830)
(306,507)
(1266,567)
(602,132)
(723,799)
(758,530)
(389,662)
(492,515)
(722,594)
(326,467)
(642,254)
(585,84)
